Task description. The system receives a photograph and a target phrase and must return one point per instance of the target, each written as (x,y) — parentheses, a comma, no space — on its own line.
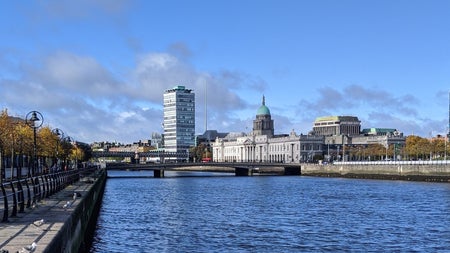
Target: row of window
(179,133)
(275,148)
(179,108)
(167,123)
(182,116)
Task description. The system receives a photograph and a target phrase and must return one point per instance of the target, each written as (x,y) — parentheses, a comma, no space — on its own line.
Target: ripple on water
(272,214)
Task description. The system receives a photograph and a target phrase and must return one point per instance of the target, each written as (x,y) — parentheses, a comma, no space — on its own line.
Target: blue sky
(97,69)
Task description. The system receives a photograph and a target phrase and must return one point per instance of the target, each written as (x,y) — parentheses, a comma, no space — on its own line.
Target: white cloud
(78,94)
(81,96)
(375,108)
(76,74)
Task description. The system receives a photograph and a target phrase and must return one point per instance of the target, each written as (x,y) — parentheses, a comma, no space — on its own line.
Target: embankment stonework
(435,173)
(72,235)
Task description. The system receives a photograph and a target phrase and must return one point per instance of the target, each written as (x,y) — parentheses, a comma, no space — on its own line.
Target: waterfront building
(342,134)
(337,125)
(379,131)
(382,136)
(179,119)
(332,138)
(263,124)
(262,145)
(208,137)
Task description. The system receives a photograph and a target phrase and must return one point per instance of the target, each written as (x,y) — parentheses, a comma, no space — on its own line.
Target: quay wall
(413,172)
(74,235)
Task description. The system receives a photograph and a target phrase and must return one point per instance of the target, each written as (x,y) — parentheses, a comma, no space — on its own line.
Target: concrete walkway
(25,233)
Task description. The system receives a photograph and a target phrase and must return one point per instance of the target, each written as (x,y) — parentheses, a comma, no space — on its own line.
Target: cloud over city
(98,69)
(80,95)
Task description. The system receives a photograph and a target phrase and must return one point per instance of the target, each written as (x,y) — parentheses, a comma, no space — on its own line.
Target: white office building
(179,119)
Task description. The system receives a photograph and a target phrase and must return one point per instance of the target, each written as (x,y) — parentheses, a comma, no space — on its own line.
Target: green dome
(263,109)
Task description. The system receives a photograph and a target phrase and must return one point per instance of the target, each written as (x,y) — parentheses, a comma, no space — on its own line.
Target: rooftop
(336,118)
(263,109)
(179,88)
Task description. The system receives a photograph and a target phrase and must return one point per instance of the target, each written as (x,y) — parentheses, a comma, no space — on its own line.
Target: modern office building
(179,119)
(337,125)
(344,132)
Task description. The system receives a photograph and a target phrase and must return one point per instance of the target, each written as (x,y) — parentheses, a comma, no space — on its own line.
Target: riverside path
(53,222)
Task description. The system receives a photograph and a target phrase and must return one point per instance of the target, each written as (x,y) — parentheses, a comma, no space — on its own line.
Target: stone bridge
(239,169)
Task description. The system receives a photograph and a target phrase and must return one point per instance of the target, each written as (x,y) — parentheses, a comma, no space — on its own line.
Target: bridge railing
(16,195)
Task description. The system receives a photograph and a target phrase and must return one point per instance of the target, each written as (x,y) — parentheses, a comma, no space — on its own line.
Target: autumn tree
(17,146)
(15,140)
(376,151)
(438,146)
(417,147)
(198,152)
(4,127)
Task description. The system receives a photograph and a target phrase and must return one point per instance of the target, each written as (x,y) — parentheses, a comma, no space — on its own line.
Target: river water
(217,213)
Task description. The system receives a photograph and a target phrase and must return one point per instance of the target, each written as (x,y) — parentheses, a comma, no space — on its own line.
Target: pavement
(36,227)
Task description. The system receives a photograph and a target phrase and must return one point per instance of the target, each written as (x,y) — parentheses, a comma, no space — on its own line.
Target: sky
(97,69)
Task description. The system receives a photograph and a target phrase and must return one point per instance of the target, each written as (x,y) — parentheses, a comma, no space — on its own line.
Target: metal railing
(16,195)
(424,162)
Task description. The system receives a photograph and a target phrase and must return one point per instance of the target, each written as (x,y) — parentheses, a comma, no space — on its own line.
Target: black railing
(27,192)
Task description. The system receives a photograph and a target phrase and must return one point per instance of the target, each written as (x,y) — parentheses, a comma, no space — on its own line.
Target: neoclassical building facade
(261,145)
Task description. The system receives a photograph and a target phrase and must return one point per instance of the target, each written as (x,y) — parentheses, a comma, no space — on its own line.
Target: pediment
(248,142)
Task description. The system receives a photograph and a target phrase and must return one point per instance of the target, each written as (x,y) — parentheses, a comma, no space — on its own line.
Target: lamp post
(445,146)
(35,120)
(328,153)
(67,140)
(60,135)
(343,147)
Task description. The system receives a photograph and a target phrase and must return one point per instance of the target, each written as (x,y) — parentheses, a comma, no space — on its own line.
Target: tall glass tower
(179,119)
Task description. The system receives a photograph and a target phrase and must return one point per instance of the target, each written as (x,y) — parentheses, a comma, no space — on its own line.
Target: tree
(77,154)
(417,147)
(15,140)
(4,126)
(48,143)
(24,148)
(198,153)
(375,151)
(438,146)
(355,152)
(17,145)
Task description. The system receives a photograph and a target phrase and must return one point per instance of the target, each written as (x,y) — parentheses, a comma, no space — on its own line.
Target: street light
(35,120)
(67,140)
(60,134)
(328,154)
(343,147)
(445,146)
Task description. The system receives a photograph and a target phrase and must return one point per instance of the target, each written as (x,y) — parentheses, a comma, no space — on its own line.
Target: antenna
(206,107)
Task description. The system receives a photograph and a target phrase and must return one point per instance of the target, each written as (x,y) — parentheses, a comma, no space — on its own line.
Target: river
(219,213)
